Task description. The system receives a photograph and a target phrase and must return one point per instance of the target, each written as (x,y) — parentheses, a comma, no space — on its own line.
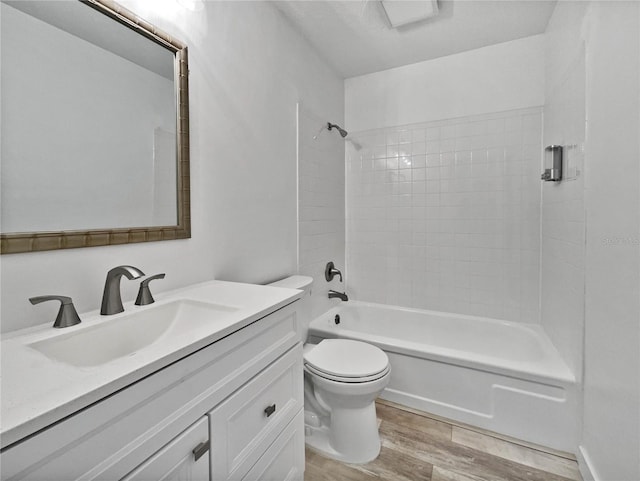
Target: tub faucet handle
(67,314)
(330,272)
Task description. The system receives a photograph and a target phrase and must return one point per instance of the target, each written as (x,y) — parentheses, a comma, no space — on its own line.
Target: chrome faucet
(111,300)
(340,295)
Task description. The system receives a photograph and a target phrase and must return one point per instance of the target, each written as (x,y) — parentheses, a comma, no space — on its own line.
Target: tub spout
(340,295)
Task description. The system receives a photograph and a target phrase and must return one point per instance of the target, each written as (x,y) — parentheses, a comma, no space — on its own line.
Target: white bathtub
(503,376)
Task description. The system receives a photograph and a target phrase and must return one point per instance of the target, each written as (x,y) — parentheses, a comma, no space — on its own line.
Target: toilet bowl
(343,378)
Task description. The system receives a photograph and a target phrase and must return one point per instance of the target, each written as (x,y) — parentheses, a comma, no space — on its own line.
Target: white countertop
(37,391)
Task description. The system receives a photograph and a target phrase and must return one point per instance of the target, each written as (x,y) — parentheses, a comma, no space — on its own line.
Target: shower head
(343,132)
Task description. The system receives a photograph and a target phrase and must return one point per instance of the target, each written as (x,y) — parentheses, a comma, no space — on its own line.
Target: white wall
(611,432)
(248,68)
(591,225)
(500,77)
(563,227)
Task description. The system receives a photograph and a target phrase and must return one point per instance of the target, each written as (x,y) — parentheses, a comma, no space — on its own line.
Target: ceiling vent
(404,12)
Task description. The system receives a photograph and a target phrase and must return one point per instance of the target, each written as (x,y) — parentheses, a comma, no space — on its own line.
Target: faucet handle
(144,293)
(330,272)
(67,314)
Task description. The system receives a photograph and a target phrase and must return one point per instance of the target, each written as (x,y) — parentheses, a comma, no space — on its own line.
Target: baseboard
(587,470)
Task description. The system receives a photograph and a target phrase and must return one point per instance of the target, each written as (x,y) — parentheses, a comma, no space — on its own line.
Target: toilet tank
(303,283)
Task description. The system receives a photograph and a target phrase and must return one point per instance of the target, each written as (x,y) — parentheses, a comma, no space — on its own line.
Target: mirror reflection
(88,122)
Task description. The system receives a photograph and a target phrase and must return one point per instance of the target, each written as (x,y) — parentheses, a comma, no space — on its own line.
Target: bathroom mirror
(95,127)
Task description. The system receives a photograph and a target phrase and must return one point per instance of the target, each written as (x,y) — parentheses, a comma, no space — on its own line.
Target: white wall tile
(454,235)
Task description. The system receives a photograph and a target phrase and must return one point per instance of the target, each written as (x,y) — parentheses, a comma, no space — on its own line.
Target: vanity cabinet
(242,395)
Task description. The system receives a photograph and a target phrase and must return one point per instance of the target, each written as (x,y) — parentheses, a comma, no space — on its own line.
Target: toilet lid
(345,358)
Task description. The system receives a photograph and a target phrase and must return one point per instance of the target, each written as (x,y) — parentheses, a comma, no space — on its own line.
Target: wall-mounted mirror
(95,127)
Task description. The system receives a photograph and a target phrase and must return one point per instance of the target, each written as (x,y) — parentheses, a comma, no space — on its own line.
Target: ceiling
(354,36)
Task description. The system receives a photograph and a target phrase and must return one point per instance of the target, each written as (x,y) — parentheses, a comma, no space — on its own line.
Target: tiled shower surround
(321,204)
(445,215)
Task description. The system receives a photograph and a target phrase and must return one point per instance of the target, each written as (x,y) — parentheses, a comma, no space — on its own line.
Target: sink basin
(128,334)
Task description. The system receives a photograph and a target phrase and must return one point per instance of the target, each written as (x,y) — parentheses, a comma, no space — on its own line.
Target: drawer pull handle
(269,410)
(200,449)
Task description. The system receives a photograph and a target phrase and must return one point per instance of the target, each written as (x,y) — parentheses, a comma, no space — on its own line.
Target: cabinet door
(186,458)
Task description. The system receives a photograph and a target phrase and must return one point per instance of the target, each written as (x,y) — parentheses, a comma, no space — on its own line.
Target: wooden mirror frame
(52,240)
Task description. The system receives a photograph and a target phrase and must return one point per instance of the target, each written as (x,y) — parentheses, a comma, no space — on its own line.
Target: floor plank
(440,474)
(389,465)
(396,466)
(418,448)
(319,468)
(513,452)
(458,458)
(398,417)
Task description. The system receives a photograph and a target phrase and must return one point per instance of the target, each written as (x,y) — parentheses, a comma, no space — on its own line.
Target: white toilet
(343,378)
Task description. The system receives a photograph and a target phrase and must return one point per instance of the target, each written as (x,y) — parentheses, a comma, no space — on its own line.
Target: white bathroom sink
(48,374)
(127,334)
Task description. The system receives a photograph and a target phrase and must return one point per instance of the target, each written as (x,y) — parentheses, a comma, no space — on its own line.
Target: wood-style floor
(417,447)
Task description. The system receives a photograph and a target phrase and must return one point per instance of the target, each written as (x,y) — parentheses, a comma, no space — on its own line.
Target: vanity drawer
(181,459)
(248,422)
(284,460)
(112,437)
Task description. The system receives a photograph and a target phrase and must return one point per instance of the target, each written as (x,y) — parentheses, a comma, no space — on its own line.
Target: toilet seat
(339,379)
(344,360)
